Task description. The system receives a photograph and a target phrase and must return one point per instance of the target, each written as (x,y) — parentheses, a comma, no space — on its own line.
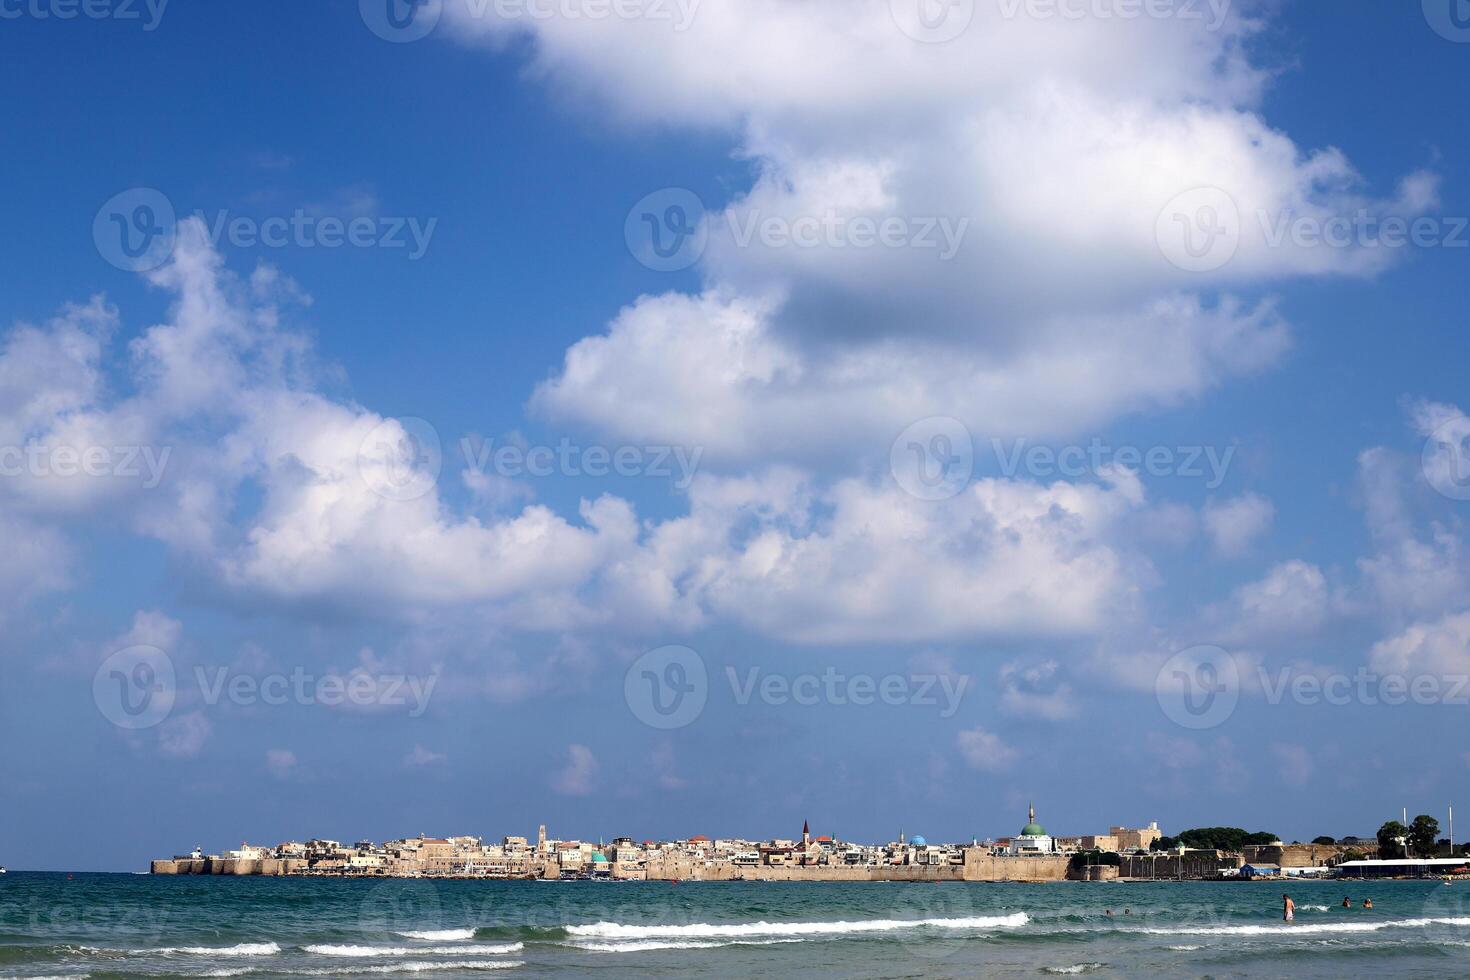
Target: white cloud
(280,763)
(1036,691)
(715,372)
(1412,572)
(150,628)
(1292,599)
(985,751)
(1055,142)
(1435,648)
(579,778)
(1234,525)
(421,757)
(38,560)
(862,563)
(183,736)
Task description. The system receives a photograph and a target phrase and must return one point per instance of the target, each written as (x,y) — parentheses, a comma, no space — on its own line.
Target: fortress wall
(222,866)
(980,865)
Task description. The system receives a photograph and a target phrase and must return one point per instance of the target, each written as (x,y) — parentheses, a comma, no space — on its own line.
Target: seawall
(226,866)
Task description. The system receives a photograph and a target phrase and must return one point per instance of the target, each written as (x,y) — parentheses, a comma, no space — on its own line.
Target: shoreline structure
(1031,856)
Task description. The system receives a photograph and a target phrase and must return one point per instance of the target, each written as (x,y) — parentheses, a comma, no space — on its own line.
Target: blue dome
(918,842)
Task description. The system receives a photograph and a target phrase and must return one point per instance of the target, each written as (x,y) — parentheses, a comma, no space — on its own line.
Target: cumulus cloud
(1292,599)
(1439,647)
(985,750)
(1036,691)
(579,777)
(713,371)
(1233,525)
(865,562)
(1416,569)
(1050,150)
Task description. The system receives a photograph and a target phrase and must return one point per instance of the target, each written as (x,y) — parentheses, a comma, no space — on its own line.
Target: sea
(125,925)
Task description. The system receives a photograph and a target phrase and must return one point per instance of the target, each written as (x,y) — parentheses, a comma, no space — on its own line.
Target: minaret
(541,838)
(1031,814)
(806,835)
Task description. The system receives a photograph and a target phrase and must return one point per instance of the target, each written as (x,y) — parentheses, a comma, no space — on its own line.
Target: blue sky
(293,529)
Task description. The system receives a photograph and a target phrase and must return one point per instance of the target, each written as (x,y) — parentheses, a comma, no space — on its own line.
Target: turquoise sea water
(104,926)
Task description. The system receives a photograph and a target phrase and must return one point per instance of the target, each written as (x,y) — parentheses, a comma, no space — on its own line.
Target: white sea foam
(440,935)
(420,966)
(1186,949)
(1075,968)
(1311,908)
(471,950)
(643,945)
(1301,929)
(242,949)
(706,930)
(239,972)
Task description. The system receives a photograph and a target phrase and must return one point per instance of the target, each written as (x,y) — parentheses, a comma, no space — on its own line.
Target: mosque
(1033,838)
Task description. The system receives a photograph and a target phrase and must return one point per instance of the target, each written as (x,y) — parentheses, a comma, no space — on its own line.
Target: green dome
(1033,830)
(598,858)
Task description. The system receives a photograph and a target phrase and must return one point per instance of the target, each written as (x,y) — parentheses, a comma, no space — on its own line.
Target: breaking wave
(420,966)
(643,945)
(706,930)
(1300,929)
(242,949)
(360,951)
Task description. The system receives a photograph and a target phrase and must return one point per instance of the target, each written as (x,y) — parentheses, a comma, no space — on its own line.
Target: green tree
(1422,834)
(1083,859)
(1223,838)
(1391,838)
(1324,840)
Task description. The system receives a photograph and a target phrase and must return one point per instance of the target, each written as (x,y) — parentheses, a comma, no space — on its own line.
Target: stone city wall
(226,866)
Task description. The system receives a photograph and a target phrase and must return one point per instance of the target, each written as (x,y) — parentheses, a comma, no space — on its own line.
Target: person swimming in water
(1367,903)
(1347,903)
(1288,908)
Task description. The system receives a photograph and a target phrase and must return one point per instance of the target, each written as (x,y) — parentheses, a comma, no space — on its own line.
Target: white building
(1033,838)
